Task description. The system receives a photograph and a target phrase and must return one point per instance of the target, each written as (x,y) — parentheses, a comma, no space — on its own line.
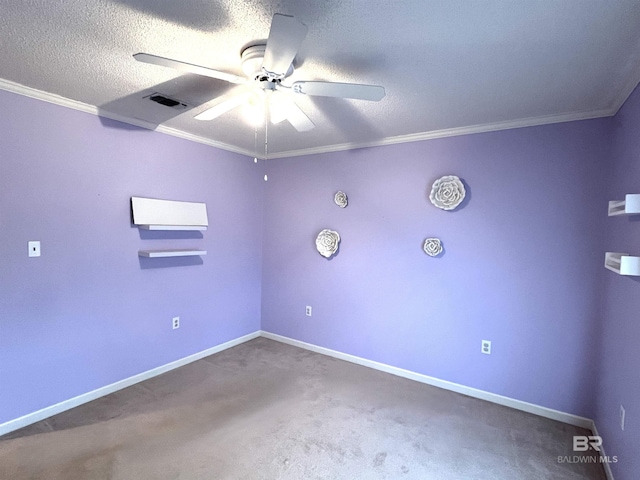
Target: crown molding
(413,137)
(454,132)
(627,90)
(86,108)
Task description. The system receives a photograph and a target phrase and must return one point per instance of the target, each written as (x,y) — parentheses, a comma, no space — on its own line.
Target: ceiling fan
(266,65)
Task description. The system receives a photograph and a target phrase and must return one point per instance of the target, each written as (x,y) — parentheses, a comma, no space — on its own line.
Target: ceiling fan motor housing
(251,60)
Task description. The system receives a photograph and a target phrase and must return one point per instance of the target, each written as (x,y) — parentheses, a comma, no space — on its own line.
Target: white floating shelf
(630,205)
(622,263)
(152,211)
(173,227)
(170,253)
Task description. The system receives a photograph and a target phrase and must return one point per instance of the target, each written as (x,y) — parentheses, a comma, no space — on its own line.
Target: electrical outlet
(622,415)
(34,249)
(308,311)
(176,322)
(486,347)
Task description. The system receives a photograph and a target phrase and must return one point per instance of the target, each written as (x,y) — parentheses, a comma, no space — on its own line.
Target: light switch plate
(34,249)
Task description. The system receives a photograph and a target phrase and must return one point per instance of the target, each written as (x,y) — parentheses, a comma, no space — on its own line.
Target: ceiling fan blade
(299,119)
(187,67)
(226,103)
(285,37)
(341,90)
(288,110)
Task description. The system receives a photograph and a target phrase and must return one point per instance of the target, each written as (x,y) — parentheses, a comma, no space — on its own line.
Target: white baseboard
(436,382)
(607,466)
(47,412)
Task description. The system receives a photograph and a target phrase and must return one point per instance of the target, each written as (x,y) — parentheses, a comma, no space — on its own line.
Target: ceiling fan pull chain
(266,133)
(255,143)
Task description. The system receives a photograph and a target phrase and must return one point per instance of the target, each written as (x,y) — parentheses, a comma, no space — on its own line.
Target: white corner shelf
(171,253)
(173,227)
(629,206)
(622,263)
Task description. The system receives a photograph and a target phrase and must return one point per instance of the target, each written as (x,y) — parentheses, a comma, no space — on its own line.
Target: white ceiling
(448,67)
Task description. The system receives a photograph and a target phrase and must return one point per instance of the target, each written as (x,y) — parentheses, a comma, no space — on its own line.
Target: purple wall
(89,312)
(522,263)
(620,334)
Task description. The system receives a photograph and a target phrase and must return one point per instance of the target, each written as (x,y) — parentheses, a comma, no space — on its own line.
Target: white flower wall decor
(447,192)
(327,242)
(341,199)
(432,247)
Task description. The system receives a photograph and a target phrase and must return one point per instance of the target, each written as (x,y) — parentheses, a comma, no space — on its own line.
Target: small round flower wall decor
(447,192)
(327,242)
(432,247)
(341,199)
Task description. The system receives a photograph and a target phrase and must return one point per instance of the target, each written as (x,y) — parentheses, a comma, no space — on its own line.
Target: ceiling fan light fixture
(253,109)
(279,108)
(278,115)
(253,116)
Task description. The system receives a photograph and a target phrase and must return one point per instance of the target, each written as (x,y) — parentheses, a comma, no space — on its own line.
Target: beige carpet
(264,410)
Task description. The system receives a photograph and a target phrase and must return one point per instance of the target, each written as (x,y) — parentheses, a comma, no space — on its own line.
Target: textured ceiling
(448,66)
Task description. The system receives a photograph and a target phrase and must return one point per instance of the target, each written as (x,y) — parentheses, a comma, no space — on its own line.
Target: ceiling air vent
(167,101)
